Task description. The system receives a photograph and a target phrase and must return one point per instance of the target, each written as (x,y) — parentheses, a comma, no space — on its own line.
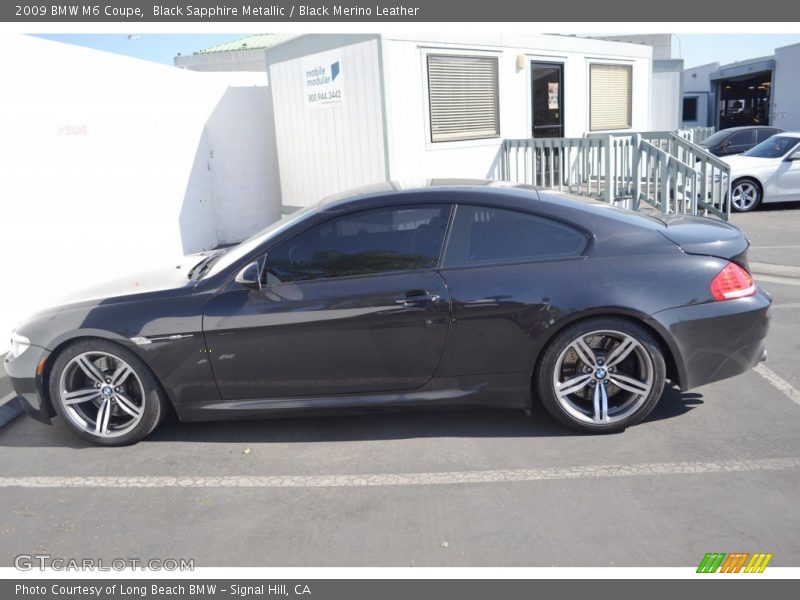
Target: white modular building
(357,109)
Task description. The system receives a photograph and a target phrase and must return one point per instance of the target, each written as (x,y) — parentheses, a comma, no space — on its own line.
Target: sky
(160,48)
(695,49)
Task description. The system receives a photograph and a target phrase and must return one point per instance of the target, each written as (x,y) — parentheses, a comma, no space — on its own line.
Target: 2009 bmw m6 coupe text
(461,293)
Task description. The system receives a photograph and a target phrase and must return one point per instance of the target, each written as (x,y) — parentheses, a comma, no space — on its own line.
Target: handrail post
(635,174)
(609,191)
(704,184)
(726,191)
(503,150)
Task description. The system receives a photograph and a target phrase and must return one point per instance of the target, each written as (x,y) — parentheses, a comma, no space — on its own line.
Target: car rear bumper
(26,373)
(717,340)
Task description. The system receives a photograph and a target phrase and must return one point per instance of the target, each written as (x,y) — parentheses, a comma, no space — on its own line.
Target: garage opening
(745,100)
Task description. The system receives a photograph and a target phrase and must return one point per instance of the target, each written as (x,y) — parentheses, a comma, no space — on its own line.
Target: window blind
(463,97)
(610,91)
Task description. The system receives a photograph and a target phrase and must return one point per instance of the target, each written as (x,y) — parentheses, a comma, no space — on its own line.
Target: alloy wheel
(603,377)
(101,394)
(744,195)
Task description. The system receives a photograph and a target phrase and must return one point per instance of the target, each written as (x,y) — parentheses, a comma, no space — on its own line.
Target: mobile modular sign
(323,80)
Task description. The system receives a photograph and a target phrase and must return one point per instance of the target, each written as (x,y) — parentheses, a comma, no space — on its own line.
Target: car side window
(764,134)
(485,235)
(741,138)
(364,243)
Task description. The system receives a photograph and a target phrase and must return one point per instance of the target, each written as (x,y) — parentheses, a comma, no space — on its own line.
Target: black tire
(642,367)
(149,401)
(755,192)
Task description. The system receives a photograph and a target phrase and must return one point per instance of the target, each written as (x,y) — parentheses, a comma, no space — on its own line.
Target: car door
(505,270)
(787,179)
(352,305)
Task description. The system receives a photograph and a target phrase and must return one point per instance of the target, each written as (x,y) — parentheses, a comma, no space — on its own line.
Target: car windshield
(715,138)
(225,259)
(774,147)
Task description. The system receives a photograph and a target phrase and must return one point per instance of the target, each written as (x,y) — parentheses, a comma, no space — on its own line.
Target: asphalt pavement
(716,469)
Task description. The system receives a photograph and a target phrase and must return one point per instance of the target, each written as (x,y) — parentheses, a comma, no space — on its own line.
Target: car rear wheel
(601,375)
(105,393)
(745,195)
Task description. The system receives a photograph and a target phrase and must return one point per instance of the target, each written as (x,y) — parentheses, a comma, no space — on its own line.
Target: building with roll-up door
(759,91)
(357,109)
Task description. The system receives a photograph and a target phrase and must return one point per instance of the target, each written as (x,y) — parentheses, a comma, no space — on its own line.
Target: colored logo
(334,70)
(736,562)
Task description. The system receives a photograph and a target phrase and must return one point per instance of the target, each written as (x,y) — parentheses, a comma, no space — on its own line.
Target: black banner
(341,11)
(730,588)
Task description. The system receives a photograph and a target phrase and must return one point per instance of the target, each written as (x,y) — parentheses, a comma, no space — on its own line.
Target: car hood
(740,161)
(123,301)
(172,276)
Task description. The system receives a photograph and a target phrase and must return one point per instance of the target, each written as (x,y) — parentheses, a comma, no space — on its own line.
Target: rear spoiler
(707,237)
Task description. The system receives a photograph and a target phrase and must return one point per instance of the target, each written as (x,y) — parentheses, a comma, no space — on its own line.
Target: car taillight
(732,282)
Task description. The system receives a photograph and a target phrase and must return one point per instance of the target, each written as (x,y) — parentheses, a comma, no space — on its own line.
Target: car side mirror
(250,276)
(794,155)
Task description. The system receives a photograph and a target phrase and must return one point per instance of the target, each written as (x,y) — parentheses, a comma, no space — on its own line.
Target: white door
(787,181)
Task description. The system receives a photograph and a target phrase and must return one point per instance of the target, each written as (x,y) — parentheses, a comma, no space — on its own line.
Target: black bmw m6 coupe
(454,293)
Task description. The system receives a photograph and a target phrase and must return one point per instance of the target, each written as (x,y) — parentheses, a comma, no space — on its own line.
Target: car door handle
(417,298)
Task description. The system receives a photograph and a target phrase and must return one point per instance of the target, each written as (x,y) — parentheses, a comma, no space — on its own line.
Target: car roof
(745,127)
(577,210)
(367,194)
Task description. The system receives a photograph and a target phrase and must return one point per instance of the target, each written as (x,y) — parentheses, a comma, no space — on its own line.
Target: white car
(768,172)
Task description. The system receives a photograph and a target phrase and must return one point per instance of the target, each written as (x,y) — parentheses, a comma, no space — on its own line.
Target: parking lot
(713,469)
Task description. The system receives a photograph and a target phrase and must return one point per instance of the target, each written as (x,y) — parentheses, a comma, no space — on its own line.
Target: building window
(690,109)
(610,97)
(463,97)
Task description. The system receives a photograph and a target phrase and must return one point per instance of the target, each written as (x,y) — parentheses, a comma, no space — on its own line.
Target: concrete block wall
(242,163)
(112,165)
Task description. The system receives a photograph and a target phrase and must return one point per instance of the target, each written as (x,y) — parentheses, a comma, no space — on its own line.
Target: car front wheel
(105,393)
(601,375)
(745,195)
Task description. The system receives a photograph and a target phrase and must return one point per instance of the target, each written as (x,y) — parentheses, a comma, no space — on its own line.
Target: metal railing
(695,134)
(574,165)
(713,174)
(664,169)
(665,183)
